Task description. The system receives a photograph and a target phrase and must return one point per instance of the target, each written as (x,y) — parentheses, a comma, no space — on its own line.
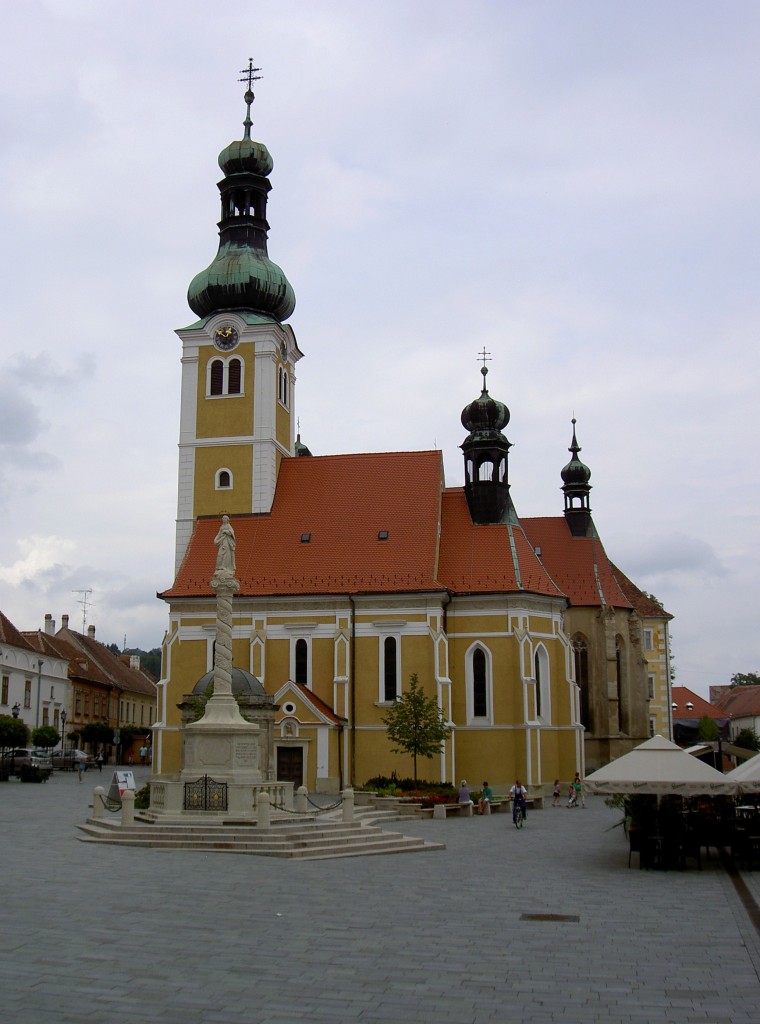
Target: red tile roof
(10,635)
(342,502)
(681,696)
(317,702)
(740,701)
(110,665)
(81,666)
(578,565)
(487,559)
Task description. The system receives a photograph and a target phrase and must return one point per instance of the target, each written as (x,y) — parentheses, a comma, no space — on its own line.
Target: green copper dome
(575,473)
(241,276)
(246,155)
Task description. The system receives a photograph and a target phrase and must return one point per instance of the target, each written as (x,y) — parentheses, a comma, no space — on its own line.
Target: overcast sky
(573,186)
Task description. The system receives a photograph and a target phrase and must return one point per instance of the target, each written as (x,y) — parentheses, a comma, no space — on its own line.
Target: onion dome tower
(486,451)
(242,277)
(238,394)
(576,486)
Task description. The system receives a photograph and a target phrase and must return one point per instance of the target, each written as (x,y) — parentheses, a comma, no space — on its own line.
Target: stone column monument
(222,744)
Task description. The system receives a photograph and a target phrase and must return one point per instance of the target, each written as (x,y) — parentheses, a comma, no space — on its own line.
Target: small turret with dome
(242,277)
(576,487)
(486,452)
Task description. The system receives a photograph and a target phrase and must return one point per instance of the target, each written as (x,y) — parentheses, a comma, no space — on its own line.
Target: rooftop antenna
(84,601)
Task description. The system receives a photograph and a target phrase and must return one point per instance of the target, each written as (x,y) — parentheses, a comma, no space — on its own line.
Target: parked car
(28,757)
(68,760)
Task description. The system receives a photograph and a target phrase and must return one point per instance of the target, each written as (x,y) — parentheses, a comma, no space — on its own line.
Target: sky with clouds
(573,186)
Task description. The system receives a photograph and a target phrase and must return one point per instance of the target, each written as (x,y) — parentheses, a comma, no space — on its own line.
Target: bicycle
(519,813)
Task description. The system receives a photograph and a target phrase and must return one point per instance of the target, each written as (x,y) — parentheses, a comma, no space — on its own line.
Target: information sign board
(120,782)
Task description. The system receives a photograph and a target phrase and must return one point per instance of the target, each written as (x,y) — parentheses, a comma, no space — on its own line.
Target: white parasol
(747,775)
(659,766)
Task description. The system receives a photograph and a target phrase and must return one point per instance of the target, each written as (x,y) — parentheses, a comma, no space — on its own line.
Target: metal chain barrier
(317,808)
(113,806)
(322,810)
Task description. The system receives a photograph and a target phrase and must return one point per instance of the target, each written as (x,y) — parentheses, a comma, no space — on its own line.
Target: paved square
(113,935)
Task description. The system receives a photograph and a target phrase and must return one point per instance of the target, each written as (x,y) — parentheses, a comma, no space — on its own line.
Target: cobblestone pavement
(116,936)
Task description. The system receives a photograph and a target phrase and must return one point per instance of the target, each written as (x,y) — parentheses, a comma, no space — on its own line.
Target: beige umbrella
(747,775)
(659,766)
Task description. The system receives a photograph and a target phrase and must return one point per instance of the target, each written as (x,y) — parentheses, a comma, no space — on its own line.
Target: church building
(358,571)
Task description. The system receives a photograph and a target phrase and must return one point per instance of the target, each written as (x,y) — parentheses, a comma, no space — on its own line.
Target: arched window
(234,377)
(217,377)
(485,470)
(282,385)
(541,675)
(622,688)
(225,376)
(580,662)
(223,480)
(302,662)
(479,685)
(390,668)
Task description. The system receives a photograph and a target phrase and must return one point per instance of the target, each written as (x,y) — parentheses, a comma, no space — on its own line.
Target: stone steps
(299,842)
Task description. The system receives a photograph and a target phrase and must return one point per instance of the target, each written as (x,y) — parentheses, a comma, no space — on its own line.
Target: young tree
(708,730)
(415,724)
(45,736)
(13,732)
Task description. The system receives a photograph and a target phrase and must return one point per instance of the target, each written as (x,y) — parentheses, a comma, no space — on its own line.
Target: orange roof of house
(740,701)
(682,696)
(342,502)
(110,665)
(578,565)
(10,635)
(81,666)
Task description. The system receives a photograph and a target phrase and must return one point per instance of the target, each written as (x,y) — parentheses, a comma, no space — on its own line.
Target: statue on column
(225,542)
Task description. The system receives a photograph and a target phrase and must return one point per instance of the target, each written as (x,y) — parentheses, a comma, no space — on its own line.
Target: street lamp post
(16,710)
(40,663)
(63,731)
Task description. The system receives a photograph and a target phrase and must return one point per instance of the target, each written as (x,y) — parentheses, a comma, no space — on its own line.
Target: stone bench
(504,805)
(444,810)
(496,806)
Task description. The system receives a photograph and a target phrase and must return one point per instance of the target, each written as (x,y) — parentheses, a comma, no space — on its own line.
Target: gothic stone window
(580,659)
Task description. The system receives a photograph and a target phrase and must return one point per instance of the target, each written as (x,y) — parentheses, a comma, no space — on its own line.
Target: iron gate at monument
(205,795)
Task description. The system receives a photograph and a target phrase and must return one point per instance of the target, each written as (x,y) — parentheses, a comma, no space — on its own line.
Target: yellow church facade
(358,571)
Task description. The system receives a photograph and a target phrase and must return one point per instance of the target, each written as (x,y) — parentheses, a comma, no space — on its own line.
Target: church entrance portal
(290,765)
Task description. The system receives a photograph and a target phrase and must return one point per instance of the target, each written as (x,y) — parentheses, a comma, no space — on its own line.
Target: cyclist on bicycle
(517,795)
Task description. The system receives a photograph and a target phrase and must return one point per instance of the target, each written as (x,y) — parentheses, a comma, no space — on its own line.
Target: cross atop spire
(486,357)
(249,76)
